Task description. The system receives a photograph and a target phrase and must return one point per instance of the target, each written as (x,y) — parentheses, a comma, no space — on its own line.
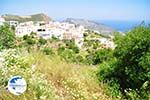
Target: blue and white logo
(17,85)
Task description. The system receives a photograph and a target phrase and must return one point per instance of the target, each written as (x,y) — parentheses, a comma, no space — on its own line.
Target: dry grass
(70,81)
(49,78)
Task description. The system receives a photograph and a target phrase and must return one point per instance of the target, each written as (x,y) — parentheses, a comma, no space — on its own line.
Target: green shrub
(42,41)
(70,44)
(89,59)
(60,50)
(79,59)
(99,56)
(105,74)
(134,58)
(7,37)
(102,55)
(30,41)
(68,55)
(48,51)
(131,70)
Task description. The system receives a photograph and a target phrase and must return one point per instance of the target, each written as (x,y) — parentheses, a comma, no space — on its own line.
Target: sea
(122,26)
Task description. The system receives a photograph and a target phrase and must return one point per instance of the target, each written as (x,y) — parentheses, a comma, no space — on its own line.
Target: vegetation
(131,67)
(50,78)
(7,37)
(57,70)
(34,18)
(52,72)
(99,56)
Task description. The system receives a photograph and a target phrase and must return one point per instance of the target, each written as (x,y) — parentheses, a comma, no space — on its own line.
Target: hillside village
(60,30)
(75,50)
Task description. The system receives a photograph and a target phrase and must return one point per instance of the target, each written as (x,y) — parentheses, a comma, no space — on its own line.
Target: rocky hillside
(103,29)
(36,17)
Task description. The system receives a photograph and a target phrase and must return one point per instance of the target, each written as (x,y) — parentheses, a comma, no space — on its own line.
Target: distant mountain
(36,17)
(103,29)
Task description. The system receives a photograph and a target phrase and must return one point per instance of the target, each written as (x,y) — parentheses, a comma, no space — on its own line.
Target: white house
(44,33)
(2,21)
(29,23)
(58,33)
(21,30)
(107,43)
(25,29)
(13,23)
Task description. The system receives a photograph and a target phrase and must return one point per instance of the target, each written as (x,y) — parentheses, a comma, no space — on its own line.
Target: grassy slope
(62,81)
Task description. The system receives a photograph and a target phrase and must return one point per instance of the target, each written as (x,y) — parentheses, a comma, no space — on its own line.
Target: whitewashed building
(25,29)
(2,21)
(21,31)
(43,32)
(107,43)
(13,23)
(56,29)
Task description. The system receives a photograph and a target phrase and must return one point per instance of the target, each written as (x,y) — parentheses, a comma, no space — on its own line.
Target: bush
(134,58)
(102,55)
(7,37)
(105,75)
(132,67)
(79,59)
(29,41)
(99,56)
(60,50)
(54,38)
(75,49)
(71,45)
(68,55)
(48,51)
(42,41)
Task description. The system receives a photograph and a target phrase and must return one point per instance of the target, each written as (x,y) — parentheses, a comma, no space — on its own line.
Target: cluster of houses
(107,43)
(60,30)
(56,29)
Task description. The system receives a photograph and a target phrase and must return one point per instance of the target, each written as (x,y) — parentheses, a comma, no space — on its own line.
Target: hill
(35,17)
(103,29)
(52,78)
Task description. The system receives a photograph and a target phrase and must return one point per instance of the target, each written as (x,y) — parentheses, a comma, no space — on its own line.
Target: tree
(54,38)
(7,37)
(33,34)
(29,41)
(102,55)
(60,50)
(132,67)
(42,41)
(99,56)
(48,51)
(68,55)
(132,51)
(13,28)
(71,45)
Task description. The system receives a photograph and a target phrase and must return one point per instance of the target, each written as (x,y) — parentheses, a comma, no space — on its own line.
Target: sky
(87,9)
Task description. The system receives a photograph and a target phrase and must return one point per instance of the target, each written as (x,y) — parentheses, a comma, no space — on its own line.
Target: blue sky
(87,9)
